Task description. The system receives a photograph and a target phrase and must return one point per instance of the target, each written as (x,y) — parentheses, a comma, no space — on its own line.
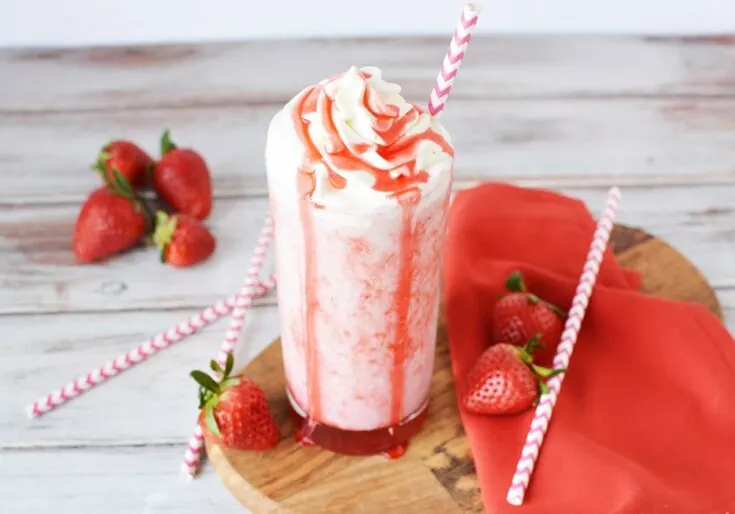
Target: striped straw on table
(453,58)
(193,455)
(545,408)
(141,352)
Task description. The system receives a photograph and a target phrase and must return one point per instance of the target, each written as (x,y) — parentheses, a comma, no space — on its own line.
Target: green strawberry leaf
(204,397)
(543,388)
(122,182)
(515,283)
(210,420)
(205,381)
(101,165)
(533,344)
(229,364)
(119,185)
(166,144)
(215,367)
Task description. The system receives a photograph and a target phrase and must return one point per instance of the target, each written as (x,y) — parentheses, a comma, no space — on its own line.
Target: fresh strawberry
(126,157)
(183,180)
(182,240)
(504,380)
(520,315)
(111,220)
(234,411)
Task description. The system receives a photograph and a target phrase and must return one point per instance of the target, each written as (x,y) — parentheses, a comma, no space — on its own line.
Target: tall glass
(359,183)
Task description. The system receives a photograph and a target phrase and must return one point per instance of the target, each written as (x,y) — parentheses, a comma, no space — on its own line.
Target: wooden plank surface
(104,79)
(654,115)
(39,275)
(102,480)
(576,141)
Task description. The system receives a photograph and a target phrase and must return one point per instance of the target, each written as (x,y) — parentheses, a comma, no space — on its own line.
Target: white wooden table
(654,115)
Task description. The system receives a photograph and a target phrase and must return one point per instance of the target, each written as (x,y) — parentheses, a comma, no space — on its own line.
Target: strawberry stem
(166,144)
(546,372)
(556,309)
(543,388)
(533,344)
(515,283)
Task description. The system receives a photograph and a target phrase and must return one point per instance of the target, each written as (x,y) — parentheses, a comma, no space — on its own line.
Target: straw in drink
(359,182)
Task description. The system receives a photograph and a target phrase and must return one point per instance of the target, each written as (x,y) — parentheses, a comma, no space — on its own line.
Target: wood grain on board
(437,473)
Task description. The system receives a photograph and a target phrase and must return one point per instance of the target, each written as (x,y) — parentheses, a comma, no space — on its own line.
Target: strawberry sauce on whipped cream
(360,136)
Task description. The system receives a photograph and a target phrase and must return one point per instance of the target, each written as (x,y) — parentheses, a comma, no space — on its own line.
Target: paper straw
(140,353)
(542,416)
(192,457)
(453,58)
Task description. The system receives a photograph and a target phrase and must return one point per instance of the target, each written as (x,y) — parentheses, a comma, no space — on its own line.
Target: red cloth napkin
(645,421)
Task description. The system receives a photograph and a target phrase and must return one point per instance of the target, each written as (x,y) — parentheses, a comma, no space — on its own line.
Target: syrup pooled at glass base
(359,182)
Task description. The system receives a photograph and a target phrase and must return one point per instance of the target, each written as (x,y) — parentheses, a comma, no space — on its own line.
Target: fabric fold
(645,422)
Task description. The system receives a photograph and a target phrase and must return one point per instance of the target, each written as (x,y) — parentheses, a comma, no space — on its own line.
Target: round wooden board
(437,473)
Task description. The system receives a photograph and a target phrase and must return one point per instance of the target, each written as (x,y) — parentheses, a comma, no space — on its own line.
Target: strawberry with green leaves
(182,179)
(126,157)
(504,380)
(519,315)
(234,410)
(182,240)
(112,219)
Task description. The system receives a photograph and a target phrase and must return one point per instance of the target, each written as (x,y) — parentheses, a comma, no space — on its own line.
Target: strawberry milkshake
(359,182)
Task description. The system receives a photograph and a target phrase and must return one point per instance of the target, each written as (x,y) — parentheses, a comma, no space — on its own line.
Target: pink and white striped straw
(542,416)
(140,353)
(453,58)
(192,457)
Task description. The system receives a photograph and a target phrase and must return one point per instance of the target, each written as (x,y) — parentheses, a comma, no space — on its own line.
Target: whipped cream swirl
(361,140)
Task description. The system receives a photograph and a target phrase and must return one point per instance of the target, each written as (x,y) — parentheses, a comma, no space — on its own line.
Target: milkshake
(359,182)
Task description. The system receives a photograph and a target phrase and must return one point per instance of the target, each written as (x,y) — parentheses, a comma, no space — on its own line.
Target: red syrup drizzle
(390,441)
(397,452)
(346,157)
(402,302)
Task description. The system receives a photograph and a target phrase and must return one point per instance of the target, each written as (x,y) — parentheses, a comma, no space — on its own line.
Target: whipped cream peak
(360,140)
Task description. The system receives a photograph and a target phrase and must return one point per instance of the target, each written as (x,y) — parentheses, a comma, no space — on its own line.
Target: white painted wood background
(115,22)
(653,115)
